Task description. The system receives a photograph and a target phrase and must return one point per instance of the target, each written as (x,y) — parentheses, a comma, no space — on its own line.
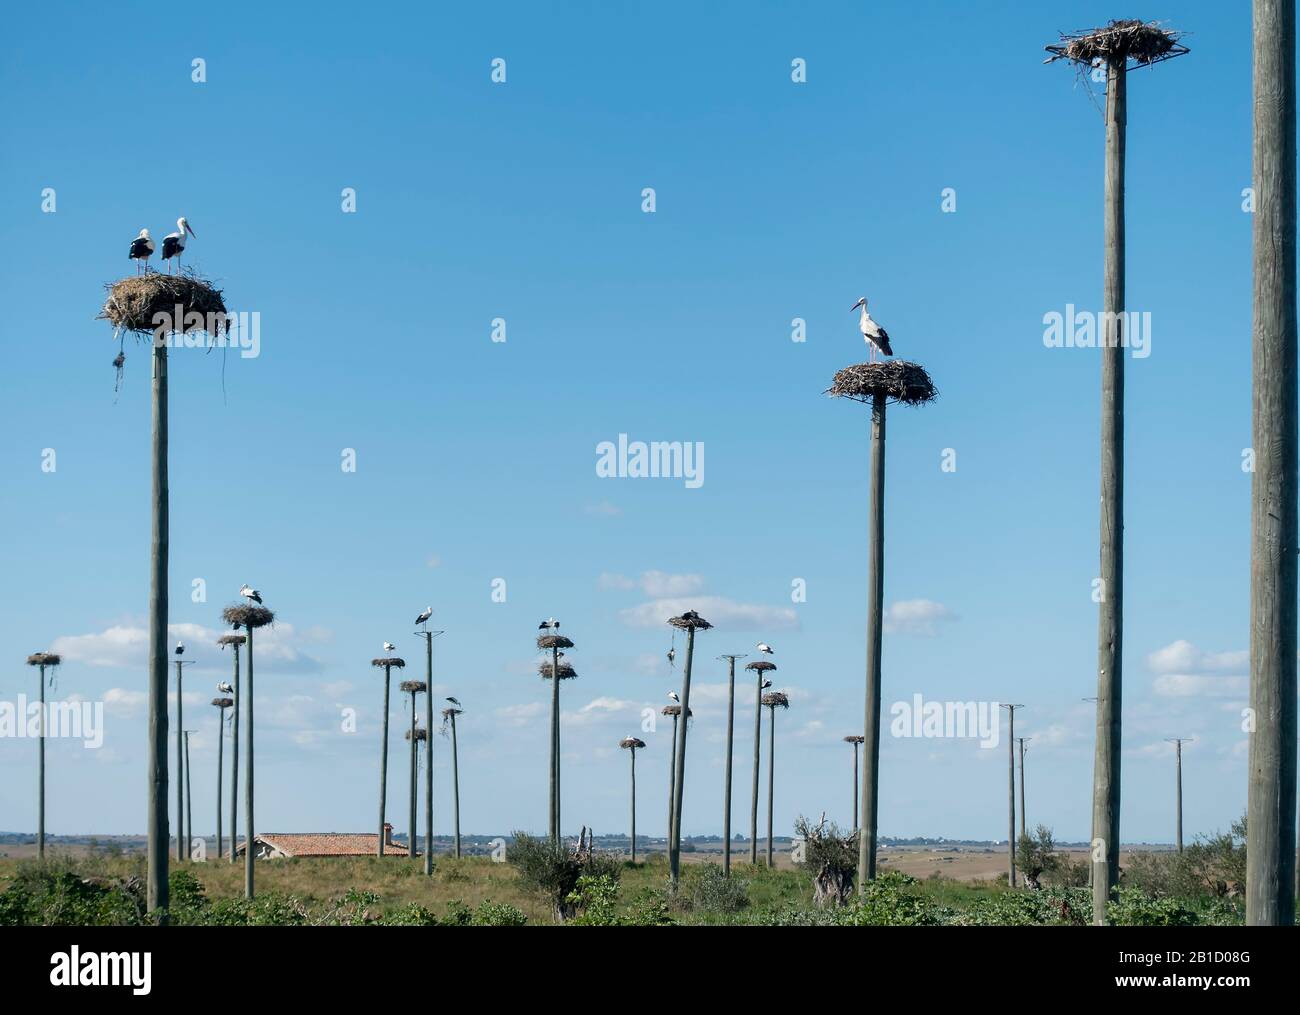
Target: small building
(279,845)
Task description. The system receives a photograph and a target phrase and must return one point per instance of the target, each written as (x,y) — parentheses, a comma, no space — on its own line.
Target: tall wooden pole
(679,766)
(157,763)
(415,781)
(632,751)
(555,744)
(1271,794)
(189,800)
(855,781)
(726,794)
(221,716)
(771,777)
(383,760)
(1011,795)
(1021,742)
(758,741)
(455,787)
(1178,766)
(249,845)
(428,754)
(234,760)
(672,785)
(1106,765)
(182,847)
(867,836)
(40,774)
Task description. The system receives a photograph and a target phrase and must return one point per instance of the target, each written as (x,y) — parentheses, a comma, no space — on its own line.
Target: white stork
(251,594)
(174,243)
(765,648)
(453,701)
(225,688)
(141,251)
(766,684)
(423,617)
(872,333)
(673,695)
(672,654)
(389,647)
(550,623)
(180,648)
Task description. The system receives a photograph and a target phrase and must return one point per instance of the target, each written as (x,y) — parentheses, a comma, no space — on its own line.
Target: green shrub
(553,871)
(1135,908)
(891,900)
(498,914)
(411,915)
(594,899)
(713,891)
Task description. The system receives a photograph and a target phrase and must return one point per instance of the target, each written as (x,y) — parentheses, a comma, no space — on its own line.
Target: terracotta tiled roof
(329,843)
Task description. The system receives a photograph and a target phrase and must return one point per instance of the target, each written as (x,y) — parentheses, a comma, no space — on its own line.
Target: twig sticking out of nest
(675,710)
(1143,42)
(223,702)
(760,666)
(44,659)
(631,742)
(134,304)
(420,734)
(855,739)
(776,699)
(690,620)
(241,615)
(231,639)
(567,672)
(897,380)
(553,641)
(412,686)
(389,661)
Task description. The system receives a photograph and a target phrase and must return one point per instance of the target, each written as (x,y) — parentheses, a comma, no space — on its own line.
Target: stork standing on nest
(141,250)
(174,243)
(872,333)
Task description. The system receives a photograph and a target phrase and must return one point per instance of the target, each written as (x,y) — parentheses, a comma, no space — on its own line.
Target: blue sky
(476,459)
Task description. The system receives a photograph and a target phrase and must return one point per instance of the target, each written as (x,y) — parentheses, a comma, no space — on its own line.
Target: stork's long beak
(189,230)
(855,306)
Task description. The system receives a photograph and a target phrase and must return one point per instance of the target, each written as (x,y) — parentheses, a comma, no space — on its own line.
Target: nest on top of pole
(1140,42)
(760,666)
(231,639)
(629,742)
(676,710)
(241,615)
(897,380)
(385,661)
(855,739)
(223,702)
(44,659)
(567,672)
(421,734)
(547,641)
(776,699)
(690,621)
(412,686)
(135,303)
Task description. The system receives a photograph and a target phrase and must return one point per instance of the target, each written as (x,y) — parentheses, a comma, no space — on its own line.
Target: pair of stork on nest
(173,245)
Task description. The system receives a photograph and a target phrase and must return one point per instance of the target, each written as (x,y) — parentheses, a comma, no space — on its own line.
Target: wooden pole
(726,795)
(1271,793)
(555,744)
(1011,795)
(455,786)
(428,754)
(854,812)
(182,848)
(1023,831)
(40,775)
(758,742)
(157,763)
(221,717)
(383,760)
(672,786)
(234,760)
(632,751)
(1178,776)
(875,623)
(189,801)
(1110,614)
(415,781)
(249,845)
(679,766)
(771,777)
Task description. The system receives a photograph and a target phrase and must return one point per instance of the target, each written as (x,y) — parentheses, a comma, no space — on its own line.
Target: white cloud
(1187,685)
(621,582)
(521,715)
(916,616)
(126,646)
(1184,657)
(723,613)
(660,585)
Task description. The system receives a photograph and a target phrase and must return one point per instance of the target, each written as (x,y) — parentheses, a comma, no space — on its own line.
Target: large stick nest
(247,615)
(567,672)
(553,641)
(421,734)
(776,699)
(447,713)
(676,710)
(412,687)
(1143,42)
(134,303)
(760,666)
(223,702)
(690,621)
(392,661)
(231,639)
(855,739)
(631,742)
(44,659)
(897,380)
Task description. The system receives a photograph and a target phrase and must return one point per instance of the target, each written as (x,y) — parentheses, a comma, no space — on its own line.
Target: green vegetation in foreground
(477,892)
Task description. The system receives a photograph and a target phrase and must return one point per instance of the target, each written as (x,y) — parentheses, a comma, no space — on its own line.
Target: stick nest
(44,659)
(690,621)
(247,615)
(776,699)
(133,303)
(567,672)
(897,380)
(223,702)
(389,661)
(1143,42)
(553,641)
(855,739)
(760,666)
(412,687)
(420,734)
(231,639)
(447,713)
(628,743)
(675,710)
